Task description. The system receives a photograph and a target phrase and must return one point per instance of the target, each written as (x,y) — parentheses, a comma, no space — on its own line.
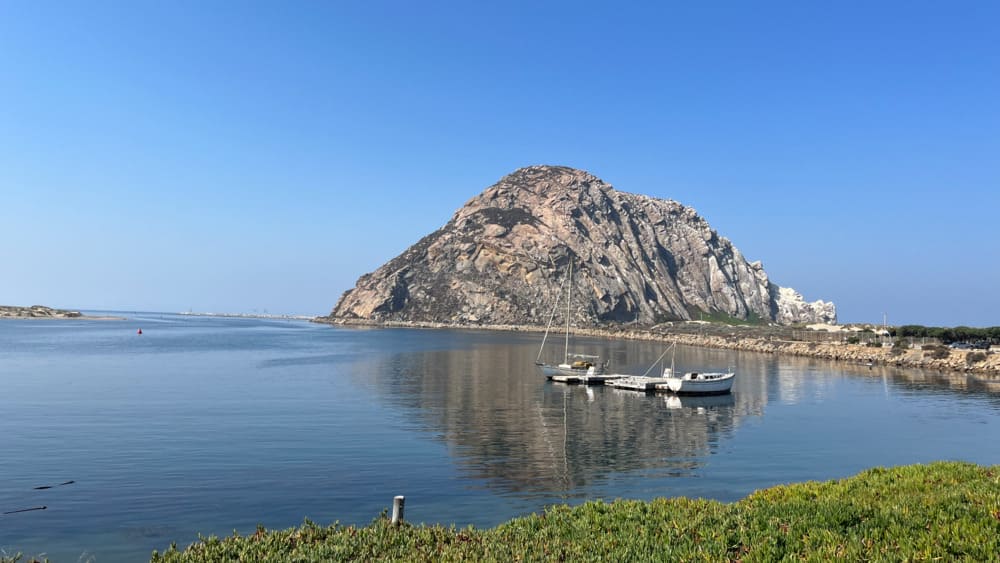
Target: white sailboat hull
(550,371)
(574,366)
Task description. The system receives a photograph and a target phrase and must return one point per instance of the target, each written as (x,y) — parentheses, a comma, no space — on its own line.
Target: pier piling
(397,509)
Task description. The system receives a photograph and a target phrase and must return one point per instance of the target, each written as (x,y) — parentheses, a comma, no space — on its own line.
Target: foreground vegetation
(942,511)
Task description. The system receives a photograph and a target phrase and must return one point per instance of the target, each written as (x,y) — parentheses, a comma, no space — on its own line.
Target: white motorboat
(699,383)
(695,382)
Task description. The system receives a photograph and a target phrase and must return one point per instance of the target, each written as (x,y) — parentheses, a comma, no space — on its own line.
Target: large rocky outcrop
(504,258)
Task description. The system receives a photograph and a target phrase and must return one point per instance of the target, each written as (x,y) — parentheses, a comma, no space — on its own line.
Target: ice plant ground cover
(944,510)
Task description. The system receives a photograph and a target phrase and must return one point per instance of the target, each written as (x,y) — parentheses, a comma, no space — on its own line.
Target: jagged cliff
(504,259)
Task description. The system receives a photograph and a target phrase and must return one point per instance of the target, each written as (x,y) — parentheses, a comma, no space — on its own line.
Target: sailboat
(573,364)
(690,383)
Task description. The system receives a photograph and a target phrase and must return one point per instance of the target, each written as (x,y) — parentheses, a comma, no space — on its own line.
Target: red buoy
(140,331)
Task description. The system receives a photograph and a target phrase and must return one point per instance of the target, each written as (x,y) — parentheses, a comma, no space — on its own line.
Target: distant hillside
(36,312)
(504,257)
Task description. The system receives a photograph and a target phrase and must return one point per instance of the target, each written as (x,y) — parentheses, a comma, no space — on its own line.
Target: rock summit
(504,259)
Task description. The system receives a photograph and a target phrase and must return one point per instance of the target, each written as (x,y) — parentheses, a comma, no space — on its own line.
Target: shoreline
(787,341)
(62,318)
(248,316)
(41,312)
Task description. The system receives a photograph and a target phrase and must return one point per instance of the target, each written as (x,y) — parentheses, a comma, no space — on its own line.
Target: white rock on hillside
(793,308)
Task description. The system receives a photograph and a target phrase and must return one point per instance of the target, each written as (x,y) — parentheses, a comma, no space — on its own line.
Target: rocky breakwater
(504,259)
(36,312)
(755,339)
(767,340)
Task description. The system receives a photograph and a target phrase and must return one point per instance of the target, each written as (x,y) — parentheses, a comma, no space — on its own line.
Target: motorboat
(699,383)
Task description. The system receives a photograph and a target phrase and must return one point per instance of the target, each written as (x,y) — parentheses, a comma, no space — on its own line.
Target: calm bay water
(209,425)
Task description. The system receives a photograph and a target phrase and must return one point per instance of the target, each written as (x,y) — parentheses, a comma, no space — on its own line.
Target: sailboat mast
(569,292)
(548,327)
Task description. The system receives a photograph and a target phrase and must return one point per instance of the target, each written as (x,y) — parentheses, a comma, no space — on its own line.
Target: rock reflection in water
(505,424)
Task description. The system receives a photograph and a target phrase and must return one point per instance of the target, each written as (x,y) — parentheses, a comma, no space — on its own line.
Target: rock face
(505,256)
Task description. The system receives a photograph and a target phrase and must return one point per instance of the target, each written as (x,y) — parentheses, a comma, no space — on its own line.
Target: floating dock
(638,383)
(586,379)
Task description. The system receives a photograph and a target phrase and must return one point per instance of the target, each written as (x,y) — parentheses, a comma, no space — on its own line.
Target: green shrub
(975,358)
(936,352)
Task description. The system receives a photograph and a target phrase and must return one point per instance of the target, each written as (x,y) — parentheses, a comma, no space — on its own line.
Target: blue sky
(251,156)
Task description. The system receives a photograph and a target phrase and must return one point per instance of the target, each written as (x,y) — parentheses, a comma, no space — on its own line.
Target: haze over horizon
(241,157)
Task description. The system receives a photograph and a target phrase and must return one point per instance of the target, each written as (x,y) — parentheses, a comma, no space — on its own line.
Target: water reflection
(510,428)
(701,405)
(915,380)
(210,425)
(513,432)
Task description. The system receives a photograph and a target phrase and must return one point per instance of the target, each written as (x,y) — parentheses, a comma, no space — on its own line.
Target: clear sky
(250,156)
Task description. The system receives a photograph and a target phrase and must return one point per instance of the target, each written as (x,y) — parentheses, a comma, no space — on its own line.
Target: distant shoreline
(249,316)
(786,341)
(41,312)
